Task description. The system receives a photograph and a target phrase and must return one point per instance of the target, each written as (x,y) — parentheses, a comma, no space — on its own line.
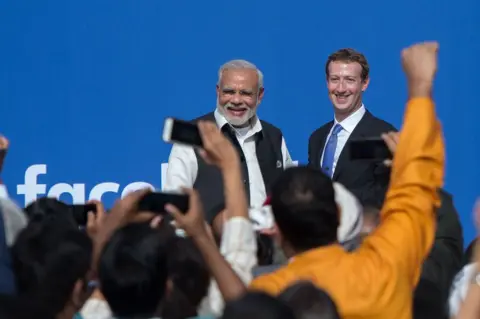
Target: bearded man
(261,145)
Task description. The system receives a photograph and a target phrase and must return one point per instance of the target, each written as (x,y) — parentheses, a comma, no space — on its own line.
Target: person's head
(347,74)
(51,264)
(257,305)
(188,280)
(239,91)
(14,307)
(309,302)
(133,270)
(305,211)
(50,208)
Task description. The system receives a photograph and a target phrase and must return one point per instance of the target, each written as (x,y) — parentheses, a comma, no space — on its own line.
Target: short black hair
(190,277)
(257,305)
(304,207)
(48,259)
(309,301)
(15,307)
(50,208)
(133,270)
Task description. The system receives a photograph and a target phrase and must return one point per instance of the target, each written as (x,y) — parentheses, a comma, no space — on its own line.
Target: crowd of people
(262,237)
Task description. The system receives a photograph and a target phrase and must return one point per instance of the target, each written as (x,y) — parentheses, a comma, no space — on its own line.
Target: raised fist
(420,62)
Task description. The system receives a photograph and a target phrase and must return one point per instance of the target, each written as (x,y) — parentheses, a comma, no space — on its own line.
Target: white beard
(236,121)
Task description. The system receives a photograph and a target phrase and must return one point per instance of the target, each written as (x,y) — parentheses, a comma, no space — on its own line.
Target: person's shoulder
(321,131)
(270,126)
(380,124)
(272,130)
(210,116)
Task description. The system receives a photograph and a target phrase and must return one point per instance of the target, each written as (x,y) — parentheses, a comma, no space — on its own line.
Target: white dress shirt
(459,288)
(239,247)
(348,126)
(183,167)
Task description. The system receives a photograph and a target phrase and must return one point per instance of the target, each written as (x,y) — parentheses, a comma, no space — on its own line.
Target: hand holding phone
(80,212)
(369,149)
(182,132)
(155,202)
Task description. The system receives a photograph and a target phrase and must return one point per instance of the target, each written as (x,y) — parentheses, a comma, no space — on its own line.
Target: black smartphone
(155,202)
(369,149)
(80,212)
(178,131)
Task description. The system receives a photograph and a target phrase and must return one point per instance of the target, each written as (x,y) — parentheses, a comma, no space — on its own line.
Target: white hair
(241,64)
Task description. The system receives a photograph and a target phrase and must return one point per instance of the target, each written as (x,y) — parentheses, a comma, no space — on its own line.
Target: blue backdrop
(85,85)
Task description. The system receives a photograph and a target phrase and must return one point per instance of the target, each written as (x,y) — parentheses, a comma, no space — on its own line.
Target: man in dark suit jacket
(347,74)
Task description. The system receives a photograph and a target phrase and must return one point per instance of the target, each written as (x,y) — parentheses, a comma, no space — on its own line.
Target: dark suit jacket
(445,258)
(368,180)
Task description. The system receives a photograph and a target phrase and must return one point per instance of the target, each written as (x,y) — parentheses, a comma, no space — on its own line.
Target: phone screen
(186,133)
(155,202)
(369,149)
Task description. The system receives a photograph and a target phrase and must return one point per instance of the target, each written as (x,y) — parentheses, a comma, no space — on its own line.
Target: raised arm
(406,233)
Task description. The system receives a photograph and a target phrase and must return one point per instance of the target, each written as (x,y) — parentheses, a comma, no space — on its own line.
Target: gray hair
(241,64)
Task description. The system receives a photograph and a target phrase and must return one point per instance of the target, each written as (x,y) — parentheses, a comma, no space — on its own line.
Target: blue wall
(85,85)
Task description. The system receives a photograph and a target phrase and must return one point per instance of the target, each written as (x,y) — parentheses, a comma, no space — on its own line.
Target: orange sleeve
(271,284)
(408,217)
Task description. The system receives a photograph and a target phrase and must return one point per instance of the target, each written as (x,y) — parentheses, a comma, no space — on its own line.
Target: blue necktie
(328,155)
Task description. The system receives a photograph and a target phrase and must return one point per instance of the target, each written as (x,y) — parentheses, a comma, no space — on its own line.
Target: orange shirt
(378,280)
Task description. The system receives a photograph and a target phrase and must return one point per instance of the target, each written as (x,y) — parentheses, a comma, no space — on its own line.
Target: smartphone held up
(181,132)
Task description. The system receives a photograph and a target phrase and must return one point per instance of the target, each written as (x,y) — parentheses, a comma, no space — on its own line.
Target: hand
(217,149)
(391,139)
(125,211)
(193,221)
(420,65)
(95,220)
(4,143)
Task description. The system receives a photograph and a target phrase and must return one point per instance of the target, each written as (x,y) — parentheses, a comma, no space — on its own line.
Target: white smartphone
(182,132)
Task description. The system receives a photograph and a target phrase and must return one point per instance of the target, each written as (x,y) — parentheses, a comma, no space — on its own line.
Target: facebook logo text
(31,189)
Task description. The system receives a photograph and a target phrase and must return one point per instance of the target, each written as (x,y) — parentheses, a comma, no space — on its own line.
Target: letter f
(31,189)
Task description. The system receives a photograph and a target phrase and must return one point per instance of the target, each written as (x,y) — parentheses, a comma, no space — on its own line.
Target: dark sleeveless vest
(209,182)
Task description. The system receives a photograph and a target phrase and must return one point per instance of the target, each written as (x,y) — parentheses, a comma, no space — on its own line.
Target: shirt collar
(352,120)
(255,124)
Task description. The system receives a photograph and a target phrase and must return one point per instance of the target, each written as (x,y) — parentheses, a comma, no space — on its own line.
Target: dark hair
(350,56)
(257,305)
(309,301)
(190,278)
(48,260)
(14,307)
(304,207)
(50,208)
(133,270)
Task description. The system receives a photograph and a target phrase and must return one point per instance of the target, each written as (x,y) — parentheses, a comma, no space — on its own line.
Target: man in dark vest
(261,145)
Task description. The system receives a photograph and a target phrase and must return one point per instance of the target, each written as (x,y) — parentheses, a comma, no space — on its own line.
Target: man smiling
(347,73)
(261,145)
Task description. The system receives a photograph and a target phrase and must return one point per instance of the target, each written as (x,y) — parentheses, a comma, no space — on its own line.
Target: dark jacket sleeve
(445,258)
(312,148)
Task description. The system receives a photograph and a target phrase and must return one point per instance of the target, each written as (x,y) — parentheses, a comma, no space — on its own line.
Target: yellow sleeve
(408,217)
